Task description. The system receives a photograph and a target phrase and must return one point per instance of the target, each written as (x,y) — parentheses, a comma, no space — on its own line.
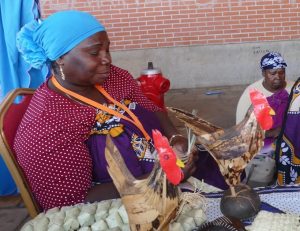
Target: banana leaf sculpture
(150,203)
(233,148)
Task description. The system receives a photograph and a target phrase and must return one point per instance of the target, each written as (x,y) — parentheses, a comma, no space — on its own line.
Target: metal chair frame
(8,154)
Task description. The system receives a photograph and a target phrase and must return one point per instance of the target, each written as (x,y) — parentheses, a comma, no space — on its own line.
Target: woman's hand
(273,132)
(190,166)
(180,146)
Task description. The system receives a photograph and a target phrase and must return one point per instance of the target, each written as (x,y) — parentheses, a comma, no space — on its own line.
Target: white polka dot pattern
(49,143)
(50,148)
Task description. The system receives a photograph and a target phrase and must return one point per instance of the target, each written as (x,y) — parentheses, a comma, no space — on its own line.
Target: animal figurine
(150,203)
(234,148)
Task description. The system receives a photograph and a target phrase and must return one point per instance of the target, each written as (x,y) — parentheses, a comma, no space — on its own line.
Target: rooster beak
(272,112)
(179,163)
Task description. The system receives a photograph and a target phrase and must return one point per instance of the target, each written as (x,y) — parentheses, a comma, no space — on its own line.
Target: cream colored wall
(211,65)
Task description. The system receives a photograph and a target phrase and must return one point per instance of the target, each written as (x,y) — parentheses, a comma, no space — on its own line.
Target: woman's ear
(60,61)
(263,72)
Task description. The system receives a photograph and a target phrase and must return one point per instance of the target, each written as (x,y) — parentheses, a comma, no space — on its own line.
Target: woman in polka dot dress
(61,139)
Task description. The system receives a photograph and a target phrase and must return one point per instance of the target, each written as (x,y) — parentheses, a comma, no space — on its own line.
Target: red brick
(223,36)
(215,41)
(264,20)
(247,21)
(281,11)
(163,17)
(246,40)
(231,13)
(153,13)
(232,40)
(133,6)
(165,35)
(208,28)
(237,26)
(197,33)
(188,22)
(223,27)
(155,31)
(216,14)
(206,37)
(121,24)
(133,46)
(171,30)
(183,43)
(154,22)
(117,47)
(152,4)
(171,21)
(197,24)
(221,19)
(240,35)
(187,29)
(266,38)
(264,29)
(150,45)
(122,34)
(188,12)
(146,19)
(233,31)
(256,25)
(189,38)
(166,44)
(171,12)
(257,34)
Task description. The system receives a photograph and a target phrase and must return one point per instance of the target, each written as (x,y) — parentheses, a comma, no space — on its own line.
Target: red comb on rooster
(262,109)
(167,158)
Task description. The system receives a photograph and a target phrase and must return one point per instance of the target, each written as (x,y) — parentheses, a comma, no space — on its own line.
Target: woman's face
(274,78)
(89,62)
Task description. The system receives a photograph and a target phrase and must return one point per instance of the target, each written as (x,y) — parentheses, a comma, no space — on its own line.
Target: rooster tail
(206,132)
(117,168)
(200,125)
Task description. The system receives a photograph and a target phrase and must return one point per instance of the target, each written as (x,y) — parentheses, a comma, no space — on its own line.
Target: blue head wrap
(44,41)
(272,60)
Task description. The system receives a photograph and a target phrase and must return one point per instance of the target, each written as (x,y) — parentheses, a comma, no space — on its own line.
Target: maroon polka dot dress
(50,141)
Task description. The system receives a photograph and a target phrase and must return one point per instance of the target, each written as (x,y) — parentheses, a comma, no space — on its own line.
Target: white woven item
(111,215)
(267,221)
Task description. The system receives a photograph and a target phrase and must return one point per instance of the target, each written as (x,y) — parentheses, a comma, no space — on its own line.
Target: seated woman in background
(275,87)
(61,140)
(261,170)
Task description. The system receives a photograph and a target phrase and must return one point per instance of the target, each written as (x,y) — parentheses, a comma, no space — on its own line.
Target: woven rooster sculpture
(232,148)
(150,203)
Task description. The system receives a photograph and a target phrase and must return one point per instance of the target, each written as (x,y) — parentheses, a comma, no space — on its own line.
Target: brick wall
(140,24)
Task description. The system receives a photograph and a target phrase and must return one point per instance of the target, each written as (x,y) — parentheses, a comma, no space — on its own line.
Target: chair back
(11,114)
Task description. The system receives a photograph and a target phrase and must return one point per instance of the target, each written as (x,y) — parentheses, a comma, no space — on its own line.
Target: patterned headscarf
(43,41)
(272,60)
